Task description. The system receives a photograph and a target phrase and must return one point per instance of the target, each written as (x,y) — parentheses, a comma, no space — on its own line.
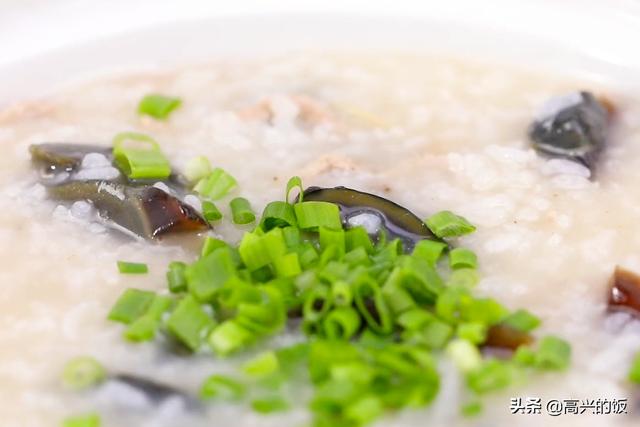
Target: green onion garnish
(241,211)
(210,211)
(634,372)
(220,387)
(448,224)
(132,304)
(197,169)
(293,183)
(158,106)
(462,258)
(377,317)
(83,372)
(139,156)
(190,323)
(216,185)
(85,420)
(125,267)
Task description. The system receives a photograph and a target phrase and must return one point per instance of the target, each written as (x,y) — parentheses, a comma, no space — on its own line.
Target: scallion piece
(262,365)
(216,185)
(176,278)
(158,106)
(269,405)
(522,320)
(221,387)
(471,409)
(553,354)
(462,258)
(294,182)
(341,323)
(125,267)
(190,323)
(259,251)
(139,156)
(241,211)
(277,214)
(210,211)
(210,273)
(332,237)
(84,420)
(491,375)
(132,304)
(313,215)
(475,333)
(211,244)
(144,328)
(371,305)
(287,265)
(356,238)
(634,372)
(429,250)
(83,372)
(197,169)
(448,224)
(229,337)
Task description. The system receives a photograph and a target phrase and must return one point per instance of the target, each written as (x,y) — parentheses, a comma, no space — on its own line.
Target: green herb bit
(190,323)
(522,320)
(229,337)
(176,278)
(125,267)
(429,250)
(132,304)
(634,372)
(294,182)
(138,156)
(221,387)
(278,214)
(313,215)
(447,224)
(144,328)
(471,409)
(262,365)
(216,185)
(158,106)
(82,373)
(553,354)
(85,420)
(462,258)
(210,211)
(465,355)
(269,405)
(241,211)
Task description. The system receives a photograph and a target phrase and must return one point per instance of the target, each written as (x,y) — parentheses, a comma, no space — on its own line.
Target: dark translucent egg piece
(573,127)
(624,292)
(502,336)
(395,220)
(64,157)
(145,211)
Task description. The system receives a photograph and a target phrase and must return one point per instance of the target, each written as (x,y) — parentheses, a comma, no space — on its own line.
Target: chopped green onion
(262,365)
(259,251)
(371,305)
(448,224)
(317,303)
(364,410)
(132,267)
(85,420)
(158,106)
(197,169)
(553,354)
(221,387)
(463,278)
(525,356)
(190,323)
(429,250)
(138,156)
(241,211)
(341,323)
(294,182)
(210,211)
(475,333)
(277,214)
(491,375)
(176,278)
(313,215)
(287,265)
(471,409)
(132,304)
(211,244)
(462,258)
(229,337)
(522,320)
(144,328)
(634,372)
(83,372)
(210,273)
(269,405)
(341,293)
(436,334)
(216,185)
(357,237)
(332,237)
(464,354)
